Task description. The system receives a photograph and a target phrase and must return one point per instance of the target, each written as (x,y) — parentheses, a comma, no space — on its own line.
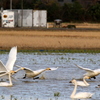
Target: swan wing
(83,95)
(86,69)
(11,58)
(27,70)
(3,74)
(97,71)
(40,70)
(54,68)
(81,83)
(31,71)
(2,67)
(37,72)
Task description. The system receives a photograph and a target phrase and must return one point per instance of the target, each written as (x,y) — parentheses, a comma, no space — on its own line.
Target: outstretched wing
(37,71)
(2,67)
(51,69)
(42,70)
(12,58)
(26,69)
(54,68)
(86,69)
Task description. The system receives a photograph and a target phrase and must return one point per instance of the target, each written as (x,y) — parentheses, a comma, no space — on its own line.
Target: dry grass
(79,25)
(50,39)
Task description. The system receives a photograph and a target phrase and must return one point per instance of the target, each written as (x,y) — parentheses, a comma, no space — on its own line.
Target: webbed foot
(24,76)
(93,77)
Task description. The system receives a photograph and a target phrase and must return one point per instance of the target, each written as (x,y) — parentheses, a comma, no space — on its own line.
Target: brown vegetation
(32,40)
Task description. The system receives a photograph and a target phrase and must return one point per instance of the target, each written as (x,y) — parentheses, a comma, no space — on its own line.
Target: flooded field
(56,84)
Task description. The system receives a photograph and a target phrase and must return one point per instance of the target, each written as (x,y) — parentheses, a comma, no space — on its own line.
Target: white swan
(80,95)
(98,86)
(31,74)
(8,68)
(6,83)
(83,83)
(90,73)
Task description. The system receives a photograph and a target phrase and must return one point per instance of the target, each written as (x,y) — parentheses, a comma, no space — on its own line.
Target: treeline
(69,12)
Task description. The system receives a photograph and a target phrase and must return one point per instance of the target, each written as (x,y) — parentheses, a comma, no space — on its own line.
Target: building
(24,18)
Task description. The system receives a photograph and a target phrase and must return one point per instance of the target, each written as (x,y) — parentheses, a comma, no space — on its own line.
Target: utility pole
(10,4)
(22,14)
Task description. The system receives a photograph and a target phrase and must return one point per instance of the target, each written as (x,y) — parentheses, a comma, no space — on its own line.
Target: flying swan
(8,68)
(82,83)
(90,73)
(80,95)
(32,74)
(6,83)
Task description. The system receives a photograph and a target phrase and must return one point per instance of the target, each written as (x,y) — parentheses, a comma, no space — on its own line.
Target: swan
(6,83)
(80,95)
(83,83)
(32,74)
(8,68)
(98,86)
(90,73)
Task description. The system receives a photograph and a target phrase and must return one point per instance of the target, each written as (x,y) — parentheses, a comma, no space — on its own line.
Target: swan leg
(93,77)
(24,76)
(35,78)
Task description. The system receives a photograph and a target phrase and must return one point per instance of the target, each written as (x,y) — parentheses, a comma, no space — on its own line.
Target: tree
(5,4)
(93,13)
(52,7)
(73,12)
(68,12)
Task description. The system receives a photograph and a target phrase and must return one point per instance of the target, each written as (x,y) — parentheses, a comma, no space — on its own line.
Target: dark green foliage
(73,12)
(69,12)
(94,12)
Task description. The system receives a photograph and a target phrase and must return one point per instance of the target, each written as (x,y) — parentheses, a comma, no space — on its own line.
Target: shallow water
(56,84)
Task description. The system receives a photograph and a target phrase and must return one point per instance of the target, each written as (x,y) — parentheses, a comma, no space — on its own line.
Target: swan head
(12,72)
(73,80)
(48,69)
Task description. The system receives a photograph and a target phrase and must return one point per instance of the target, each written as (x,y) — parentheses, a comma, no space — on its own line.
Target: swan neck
(74,91)
(18,70)
(10,79)
(85,81)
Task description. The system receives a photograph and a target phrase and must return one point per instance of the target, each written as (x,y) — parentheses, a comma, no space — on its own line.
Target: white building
(24,18)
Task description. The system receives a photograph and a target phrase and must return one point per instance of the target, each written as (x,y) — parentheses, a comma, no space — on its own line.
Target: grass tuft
(57,94)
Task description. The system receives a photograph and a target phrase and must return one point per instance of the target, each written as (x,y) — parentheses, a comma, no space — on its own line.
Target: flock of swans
(7,71)
(90,74)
